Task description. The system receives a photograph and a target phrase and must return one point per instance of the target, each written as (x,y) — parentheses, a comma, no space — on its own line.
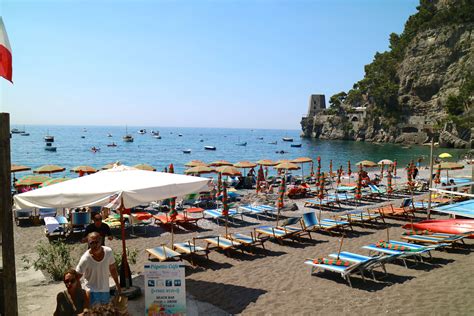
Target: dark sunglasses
(94,242)
(70,281)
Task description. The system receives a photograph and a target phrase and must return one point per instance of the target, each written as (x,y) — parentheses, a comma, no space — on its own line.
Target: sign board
(165,292)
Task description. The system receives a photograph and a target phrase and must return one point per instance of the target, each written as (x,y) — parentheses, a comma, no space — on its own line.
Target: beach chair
(55,226)
(276,233)
(257,209)
(247,240)
(361,217)
(221,242)
(217,214)
(140,220)
(46,212)
(311,223)
(423,237)
(189,248)
(163,253)
(79,221)
(357,258)
(345,268)
(402,249)
(377,192)
(406,209)
(294,226)
(23,214)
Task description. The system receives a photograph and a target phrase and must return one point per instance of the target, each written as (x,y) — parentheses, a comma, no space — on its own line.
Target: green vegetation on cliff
(381,83)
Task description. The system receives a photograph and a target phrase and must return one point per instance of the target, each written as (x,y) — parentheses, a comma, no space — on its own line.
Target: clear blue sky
(249,64)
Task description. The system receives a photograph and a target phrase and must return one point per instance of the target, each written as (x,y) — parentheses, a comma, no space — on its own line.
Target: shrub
(131,256)
(53,259)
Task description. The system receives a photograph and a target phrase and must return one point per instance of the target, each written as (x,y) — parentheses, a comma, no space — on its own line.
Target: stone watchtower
(317,103)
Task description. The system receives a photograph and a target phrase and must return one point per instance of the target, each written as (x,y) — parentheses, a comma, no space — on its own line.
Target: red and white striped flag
(5,54)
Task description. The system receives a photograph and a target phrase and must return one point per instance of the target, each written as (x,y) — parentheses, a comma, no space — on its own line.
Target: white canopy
(110,187)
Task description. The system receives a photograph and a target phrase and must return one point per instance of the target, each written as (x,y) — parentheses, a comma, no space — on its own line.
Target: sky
(196,63)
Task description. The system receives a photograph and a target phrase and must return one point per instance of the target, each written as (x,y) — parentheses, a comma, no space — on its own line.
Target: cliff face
(433,66)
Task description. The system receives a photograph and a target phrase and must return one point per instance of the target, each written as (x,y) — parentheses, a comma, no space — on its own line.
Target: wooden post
(8,274)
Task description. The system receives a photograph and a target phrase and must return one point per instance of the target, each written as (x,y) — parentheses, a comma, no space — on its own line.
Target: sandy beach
(275,281)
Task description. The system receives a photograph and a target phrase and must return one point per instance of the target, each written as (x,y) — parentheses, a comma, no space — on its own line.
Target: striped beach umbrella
(219,184)
(225,206)
(321,188)
(32,180)
(349,171)
(339,174)
(281,197)
(260,178)
(381,170)
(394,168)
(330,168)
(358,192)
(409,176)
(172,213)
(312,169)
(49,169)
(389,180)
(437,178)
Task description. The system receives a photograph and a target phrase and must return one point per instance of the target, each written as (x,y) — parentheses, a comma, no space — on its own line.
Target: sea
(74,145)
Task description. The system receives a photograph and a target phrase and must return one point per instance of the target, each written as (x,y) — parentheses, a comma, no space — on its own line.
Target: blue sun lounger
(163,253)
(257,209)
(217,214)
(222,243)
(345,271)
(247,240)
(311,223)
(361,216)
(357,258)
(190,248)
(435,238)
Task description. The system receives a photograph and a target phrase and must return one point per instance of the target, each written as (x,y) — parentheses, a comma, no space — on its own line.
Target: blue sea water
(72,150)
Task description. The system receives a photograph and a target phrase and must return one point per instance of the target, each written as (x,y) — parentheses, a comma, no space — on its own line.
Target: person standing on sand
(74,300)
(95,265)
(98,226)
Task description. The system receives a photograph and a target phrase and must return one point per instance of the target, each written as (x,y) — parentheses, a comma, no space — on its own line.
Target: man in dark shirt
(98,226)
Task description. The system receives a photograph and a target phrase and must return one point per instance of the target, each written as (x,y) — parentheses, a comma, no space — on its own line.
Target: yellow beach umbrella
(219,163)
(267,162)
(302,160)
(18,168)
(366,163)
(445,155)
(49,169)
(194,163)
(287,166)
(32,180)
(228,171)
(144,166)
(111,165)
(245,164)
(448,166)
(199,170)
(84,169)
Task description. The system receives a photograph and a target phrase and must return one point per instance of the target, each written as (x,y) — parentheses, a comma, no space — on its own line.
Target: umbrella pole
(124,247)
(172,234)
(340,247)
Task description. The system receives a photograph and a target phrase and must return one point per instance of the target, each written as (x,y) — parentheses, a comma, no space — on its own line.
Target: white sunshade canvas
(109,187)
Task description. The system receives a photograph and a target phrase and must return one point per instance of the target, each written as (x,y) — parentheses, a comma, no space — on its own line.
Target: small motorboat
(157,136)
(201,140)
(280,152)
(49,139)
(241,144)
(273,143)
(25,134)
(186,151)
(287,139)
(109,135)
(83,136)
(95,149)
(49,147)
(180,135)
(112,145)
(84,130)
(260,138)
(210,148)
(295,145)
(128,138)
(16,131)
(142,131)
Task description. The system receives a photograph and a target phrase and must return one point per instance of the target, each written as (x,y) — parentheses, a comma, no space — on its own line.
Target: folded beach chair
(311,223)
(345,268)
(360,216)
(377,192)
(247,240)
(276,233)
(217,214)
(406,209)
(190,248)
(221,242)
(163,253)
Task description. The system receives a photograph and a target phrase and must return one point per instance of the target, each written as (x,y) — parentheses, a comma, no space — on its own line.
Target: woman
(74,300)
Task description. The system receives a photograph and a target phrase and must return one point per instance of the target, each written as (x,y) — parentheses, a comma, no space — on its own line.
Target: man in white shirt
(95,265)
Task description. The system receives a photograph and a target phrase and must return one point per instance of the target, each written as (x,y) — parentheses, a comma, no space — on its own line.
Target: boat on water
(16,131)
(287,139)
(210,148)
(157,136)
(447,226)
(127,138)
(273,143)
(112,145)
(142,131)
(49,139)
(295,145)
(83,136)
(109,135)
(49,147)
(180,135)
(95,149)
(260,138)
(201,140)
(186,151)
(25,134)
(241,144)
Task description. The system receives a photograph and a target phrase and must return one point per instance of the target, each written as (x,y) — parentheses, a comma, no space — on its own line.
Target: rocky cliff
(421,89)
